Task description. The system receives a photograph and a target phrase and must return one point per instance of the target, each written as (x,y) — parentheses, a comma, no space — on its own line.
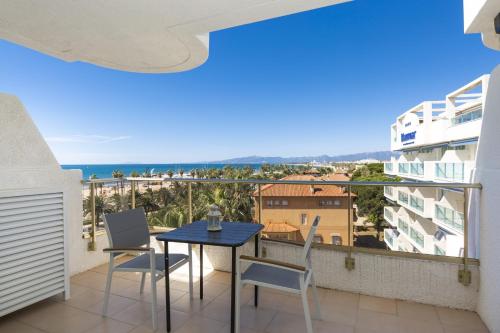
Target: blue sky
(329,81)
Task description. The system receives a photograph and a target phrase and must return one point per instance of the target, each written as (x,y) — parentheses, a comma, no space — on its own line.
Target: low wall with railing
(392,276)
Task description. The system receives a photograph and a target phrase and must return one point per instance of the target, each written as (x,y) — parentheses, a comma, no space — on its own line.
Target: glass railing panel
(388,190)
(388,214)
(417,237)
(450,171)
(388,166)
(417,203)
(403,226)
(417,169)
(403,167)
(450,217)
(467,117)
(403,197)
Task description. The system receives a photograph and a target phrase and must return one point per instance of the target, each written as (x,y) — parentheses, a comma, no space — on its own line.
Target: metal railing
(349,248)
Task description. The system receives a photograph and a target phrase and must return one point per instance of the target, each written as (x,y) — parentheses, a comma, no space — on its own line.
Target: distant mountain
(377,155)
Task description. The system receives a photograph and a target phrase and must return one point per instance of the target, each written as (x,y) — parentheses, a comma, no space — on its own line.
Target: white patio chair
(282,276)
(128,232)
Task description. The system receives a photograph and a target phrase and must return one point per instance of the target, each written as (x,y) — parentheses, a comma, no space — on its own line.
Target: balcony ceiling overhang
(152,36)
(479,17)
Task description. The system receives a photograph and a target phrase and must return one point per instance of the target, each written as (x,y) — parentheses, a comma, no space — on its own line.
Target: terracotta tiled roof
(288,190)
(279,227)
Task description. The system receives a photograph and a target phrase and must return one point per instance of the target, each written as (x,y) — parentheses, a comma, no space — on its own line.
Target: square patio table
(233,235)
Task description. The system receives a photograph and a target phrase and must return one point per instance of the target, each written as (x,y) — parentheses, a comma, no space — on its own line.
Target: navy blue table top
(232,234)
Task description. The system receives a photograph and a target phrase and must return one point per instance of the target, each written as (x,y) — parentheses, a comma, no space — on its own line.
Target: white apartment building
(438,142)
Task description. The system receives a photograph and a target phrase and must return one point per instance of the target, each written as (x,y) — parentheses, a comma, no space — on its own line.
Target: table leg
(167,288)
(201,271)
(233,287)
(256,288)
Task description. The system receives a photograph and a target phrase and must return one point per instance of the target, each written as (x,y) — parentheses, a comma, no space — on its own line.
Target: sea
(106,170)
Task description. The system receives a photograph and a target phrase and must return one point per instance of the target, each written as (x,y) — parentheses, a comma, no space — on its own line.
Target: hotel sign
(408,136)
(408,132)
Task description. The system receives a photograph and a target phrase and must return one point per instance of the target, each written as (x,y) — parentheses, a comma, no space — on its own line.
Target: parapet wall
(424,281)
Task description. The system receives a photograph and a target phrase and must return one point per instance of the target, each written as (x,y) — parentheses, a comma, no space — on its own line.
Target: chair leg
(305,304)
(143,281)
(108,286)
(190,264)
(154,306)
(315,296)
(237,295)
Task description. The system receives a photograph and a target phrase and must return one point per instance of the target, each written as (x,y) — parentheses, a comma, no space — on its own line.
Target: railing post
(260,203)
(92,245)
(464,275)
(190,203)
(132,189)
(349,260)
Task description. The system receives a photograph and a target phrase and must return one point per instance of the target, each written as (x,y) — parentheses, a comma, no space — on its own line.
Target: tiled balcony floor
(277,312)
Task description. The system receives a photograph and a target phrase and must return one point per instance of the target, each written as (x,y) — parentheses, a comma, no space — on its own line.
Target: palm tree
(134,174)
(181,172)
(170,174)
(118,174)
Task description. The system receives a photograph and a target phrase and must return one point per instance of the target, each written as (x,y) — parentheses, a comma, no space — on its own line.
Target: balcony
(389,193)
(391,239)
(390,215)
(449,218)
(389,168)
(277,312)
(453,172)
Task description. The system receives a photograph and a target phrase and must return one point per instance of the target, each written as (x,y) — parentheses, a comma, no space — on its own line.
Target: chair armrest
(127,249)
(157,232)
(275,263)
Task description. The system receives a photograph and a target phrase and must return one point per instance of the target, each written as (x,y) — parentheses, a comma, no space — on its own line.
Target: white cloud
(86,139)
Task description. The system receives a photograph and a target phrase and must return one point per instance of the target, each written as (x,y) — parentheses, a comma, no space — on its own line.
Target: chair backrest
(127,229)
(307,246)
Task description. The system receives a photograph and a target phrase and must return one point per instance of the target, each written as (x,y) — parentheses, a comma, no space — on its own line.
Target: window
(269,203)
(336,240)
(303,219)
(277,202)
(336,202)
(318,239)
(284,202)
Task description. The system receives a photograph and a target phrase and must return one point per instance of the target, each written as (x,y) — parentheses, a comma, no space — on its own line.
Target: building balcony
(458,172)
(390,193)
(391,239)
(129,310)
(390,215)
(390,168)
(448,218)
(343,311)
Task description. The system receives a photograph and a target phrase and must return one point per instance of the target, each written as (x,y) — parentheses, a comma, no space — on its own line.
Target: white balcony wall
(377,275)
(27,164)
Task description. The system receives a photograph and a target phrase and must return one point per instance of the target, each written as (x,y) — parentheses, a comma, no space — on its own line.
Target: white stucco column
(488,173)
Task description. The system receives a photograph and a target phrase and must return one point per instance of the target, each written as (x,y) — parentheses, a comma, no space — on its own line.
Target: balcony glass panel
(450,217)
(417,203)
(403,226)
(417,168)
(439,251)
(417,237)
(388,236)
(403,167)
(467,117)
(403,197)
(388,214)
(450,171)
(388,190)
(388,166)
